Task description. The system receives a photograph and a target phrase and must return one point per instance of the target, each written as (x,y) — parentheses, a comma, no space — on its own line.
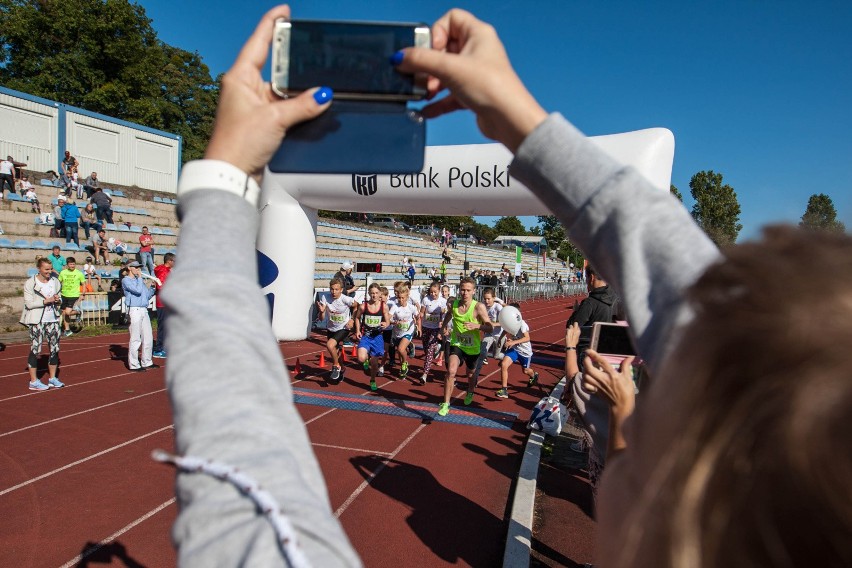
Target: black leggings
(38,333)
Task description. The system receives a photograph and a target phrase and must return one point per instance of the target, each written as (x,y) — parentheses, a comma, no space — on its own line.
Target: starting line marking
(406,408)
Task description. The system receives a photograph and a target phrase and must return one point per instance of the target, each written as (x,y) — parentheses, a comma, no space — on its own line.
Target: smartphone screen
(350,57)
(612,339)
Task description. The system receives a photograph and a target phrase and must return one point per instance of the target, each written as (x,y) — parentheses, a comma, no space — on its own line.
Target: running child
(464,322)
(431,314)
(445,343)
(368,329)
(518,349)
(387,335)
(340,322)
(405,317)
(72,281)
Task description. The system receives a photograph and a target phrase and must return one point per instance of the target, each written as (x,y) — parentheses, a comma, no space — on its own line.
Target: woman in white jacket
(41,316)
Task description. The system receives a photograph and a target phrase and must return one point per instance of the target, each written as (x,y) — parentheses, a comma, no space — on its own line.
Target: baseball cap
(134,264)
(61,198)
(346,265)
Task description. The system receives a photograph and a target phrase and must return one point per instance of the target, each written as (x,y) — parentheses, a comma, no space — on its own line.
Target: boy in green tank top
(464,322)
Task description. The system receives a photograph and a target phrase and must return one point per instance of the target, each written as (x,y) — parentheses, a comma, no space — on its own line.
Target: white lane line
(77,559)
(83,460)
(4,434)
(320,416)
(360,450)
(67,386)
(373,475)
(27,373)
(67,350)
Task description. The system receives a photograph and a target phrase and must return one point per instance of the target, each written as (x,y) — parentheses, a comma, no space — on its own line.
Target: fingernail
(396,58)
(323,95)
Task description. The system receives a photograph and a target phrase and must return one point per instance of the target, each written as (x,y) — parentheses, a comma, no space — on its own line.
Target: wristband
(217,174)
(568,348)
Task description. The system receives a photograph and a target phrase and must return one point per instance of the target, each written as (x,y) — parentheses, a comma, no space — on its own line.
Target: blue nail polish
(323,95)
(396,58)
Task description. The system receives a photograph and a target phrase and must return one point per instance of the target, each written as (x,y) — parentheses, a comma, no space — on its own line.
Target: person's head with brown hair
(739,454)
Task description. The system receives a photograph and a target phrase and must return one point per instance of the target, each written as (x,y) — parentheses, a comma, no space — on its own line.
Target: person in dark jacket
(600,305)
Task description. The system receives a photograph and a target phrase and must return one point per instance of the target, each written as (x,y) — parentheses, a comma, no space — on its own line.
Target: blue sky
(758,91)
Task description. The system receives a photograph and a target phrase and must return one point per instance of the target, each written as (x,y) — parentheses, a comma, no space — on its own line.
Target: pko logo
(365,185)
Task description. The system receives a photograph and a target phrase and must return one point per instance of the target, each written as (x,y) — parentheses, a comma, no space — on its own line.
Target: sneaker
(381,371)
(485,361)
(468,398)
(38,386)
(373,385)
(502,393)
(533,380)
(366,364)
(403,371)
(159,354)
(55,383)
(335,374)
(68,333)
(411,350)
(424,379)
(443,409)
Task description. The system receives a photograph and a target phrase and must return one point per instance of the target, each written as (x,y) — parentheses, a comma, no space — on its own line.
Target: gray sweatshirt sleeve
(232,401)
(641,239)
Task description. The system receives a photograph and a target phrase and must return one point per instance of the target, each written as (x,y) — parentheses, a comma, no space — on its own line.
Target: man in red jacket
(162,272)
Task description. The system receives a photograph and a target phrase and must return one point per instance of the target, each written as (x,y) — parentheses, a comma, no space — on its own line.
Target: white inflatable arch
(456,180)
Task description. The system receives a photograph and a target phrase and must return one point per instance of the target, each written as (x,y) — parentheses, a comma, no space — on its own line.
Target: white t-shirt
(31,195)
(525,348)
(6,167)
(48,289)
(403,318)
(89,269)
(435,310)
(493,313)
(338,312)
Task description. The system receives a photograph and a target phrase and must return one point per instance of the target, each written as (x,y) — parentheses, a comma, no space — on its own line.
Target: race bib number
(465,340)
(403,325)
(338,318)
(433,318)
(372,321)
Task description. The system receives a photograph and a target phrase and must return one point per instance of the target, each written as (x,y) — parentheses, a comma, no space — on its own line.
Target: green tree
(820,214)
(510,226)
(676,192)
(716,208)
(551,229)
(104,56)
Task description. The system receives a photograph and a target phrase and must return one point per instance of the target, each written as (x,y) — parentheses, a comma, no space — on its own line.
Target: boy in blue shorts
(373,318)
(518,350)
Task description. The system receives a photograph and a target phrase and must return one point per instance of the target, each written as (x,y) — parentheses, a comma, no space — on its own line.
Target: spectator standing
(104,204)
(137,296)
(41,316)
(100,246)
(72,281)
(56,260)
(88,220)
(146,250)
(345,275)
(91,184)
(161,272)
(71,217)
(7,175)
(58,220)
(600,305)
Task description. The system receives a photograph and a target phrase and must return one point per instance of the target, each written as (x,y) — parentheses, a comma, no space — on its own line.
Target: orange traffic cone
(322,360)
(298,369)
(354,350)
(342,355)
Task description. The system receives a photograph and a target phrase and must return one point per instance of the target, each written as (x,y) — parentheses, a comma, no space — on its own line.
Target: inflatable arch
(455,180)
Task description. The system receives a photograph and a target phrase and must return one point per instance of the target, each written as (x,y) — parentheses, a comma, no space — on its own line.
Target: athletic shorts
(466,358)
(398,340)
(339,336)
(518,358)
(68,302)
(374,344)
(387,335)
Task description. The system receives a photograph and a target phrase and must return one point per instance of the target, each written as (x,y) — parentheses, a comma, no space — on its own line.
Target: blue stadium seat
(6,243)
(21,244)
(70,246)
(158,199)
(32,272)
(135,229)
(39,245)
(111,227)
(46,182)
(14,197)
(157,231)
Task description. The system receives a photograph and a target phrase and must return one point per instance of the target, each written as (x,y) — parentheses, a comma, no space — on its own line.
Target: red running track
(78,487)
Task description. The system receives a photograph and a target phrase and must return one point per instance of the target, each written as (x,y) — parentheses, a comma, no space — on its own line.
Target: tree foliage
(104,56)
(716,208)
(510,226)
(820,214)
(676,192)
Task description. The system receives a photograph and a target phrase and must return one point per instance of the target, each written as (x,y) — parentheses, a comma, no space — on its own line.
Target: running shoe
(424,379)
(502,393)
(381,371)
(68,333)
(533,380)
(468,398)
(373,385)
(411,350)
(335,374)
(443,409)
(403,371)
(159,354)
(366,364)
(421,380)
(55,383)
(38,386)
